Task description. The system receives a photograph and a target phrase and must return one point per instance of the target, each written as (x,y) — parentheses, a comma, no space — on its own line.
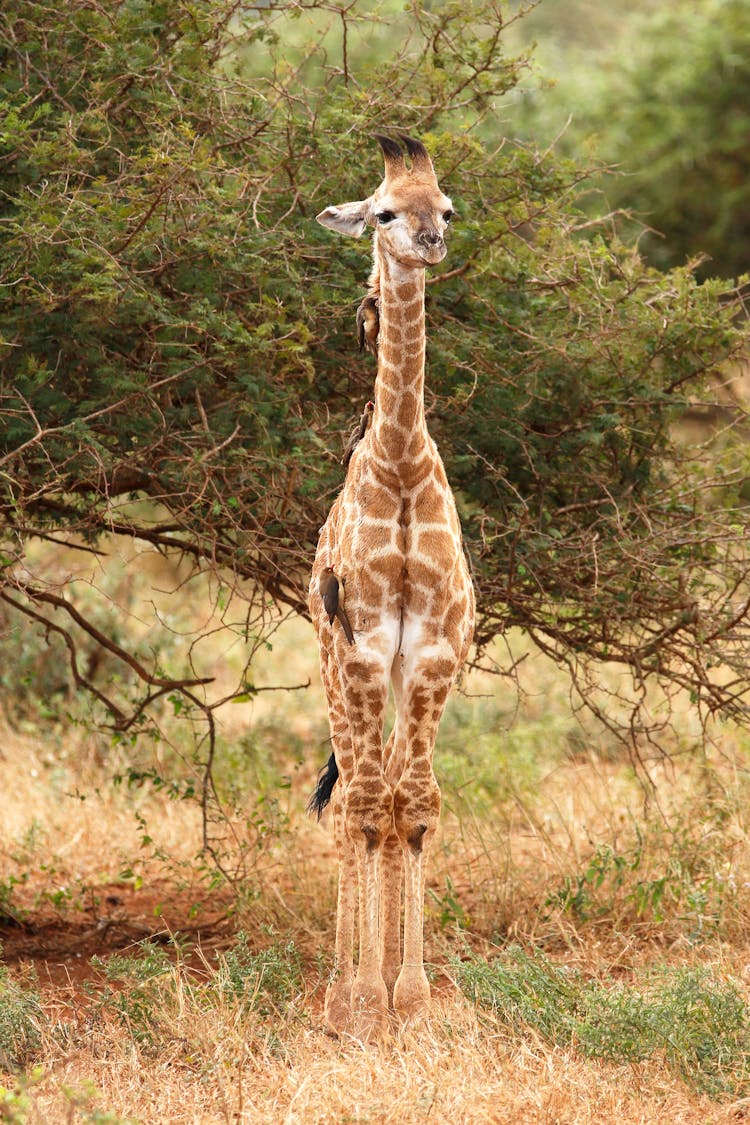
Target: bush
(673,123)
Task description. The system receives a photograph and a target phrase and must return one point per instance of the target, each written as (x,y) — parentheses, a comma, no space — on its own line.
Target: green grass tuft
(699,1024)
(21,1020)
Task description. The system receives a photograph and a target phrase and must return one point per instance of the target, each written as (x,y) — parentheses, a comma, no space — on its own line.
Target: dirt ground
(61,948)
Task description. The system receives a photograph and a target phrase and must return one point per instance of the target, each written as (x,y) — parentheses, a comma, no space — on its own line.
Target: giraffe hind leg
(331,788)
(338,1001)
(369,823)
(416,813)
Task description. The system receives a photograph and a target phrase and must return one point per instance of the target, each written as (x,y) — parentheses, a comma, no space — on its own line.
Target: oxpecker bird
(357,434)
(332,593)
(368,324)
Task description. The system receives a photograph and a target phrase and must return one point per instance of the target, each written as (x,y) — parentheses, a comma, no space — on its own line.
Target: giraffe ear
(347,218)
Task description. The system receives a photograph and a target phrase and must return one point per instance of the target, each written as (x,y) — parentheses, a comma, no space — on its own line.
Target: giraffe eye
(448,215)
(385,216)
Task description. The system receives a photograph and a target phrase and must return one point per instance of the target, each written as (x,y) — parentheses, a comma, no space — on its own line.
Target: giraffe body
(394,538)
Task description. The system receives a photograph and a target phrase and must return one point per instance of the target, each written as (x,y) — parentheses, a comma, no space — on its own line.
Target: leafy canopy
(177,356)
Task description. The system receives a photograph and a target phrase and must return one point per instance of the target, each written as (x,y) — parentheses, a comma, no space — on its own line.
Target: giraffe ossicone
(393,538)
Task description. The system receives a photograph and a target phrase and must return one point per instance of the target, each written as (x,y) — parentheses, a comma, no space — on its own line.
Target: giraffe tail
(322,792)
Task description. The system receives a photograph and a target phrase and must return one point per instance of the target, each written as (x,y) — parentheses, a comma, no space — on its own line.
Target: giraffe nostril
(429,238)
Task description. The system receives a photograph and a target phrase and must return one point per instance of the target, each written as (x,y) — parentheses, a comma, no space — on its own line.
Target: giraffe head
(408,210)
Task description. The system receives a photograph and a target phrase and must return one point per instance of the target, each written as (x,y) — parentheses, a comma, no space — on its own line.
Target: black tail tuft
(322,793)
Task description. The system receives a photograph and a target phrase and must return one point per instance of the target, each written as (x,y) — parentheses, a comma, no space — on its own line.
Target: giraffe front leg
(369,812)
(416,812)
(390,912)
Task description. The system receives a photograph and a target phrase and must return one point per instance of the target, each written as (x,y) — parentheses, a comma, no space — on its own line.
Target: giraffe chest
(398,551)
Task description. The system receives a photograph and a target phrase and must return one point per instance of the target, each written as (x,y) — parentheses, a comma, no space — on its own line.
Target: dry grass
(212,1070)
(547,839)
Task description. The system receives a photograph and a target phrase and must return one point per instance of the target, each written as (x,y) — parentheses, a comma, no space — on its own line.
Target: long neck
(399,431)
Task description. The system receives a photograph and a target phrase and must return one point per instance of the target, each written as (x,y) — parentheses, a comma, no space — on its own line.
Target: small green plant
(21,1021)
(267,981)
(698,1023)
(450,913)
(144,987)
(81,1100)
(577,894)
(15,1102)
(487,750)
(687,888)
(8,908)
(177,789)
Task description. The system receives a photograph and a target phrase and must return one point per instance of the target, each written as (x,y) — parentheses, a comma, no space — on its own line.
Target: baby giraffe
(393,541)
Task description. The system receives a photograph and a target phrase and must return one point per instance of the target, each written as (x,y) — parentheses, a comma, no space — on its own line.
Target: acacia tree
(178,359)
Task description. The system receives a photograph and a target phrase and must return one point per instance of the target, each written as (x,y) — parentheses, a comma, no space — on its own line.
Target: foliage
(674,123)
(266,982)
(487,753)
(689,111)
(689,882)
(17,1106)
(450,913)
(15,1103)
(147,991)
(177,331)
(82,1102)
(700,1024)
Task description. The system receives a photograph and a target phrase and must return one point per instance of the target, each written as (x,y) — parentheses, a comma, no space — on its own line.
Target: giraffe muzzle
(431,246)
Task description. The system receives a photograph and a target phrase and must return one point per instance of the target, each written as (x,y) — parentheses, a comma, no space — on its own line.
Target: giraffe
(393,540)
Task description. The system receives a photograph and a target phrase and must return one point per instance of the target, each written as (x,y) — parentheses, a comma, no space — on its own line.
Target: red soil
(60,945)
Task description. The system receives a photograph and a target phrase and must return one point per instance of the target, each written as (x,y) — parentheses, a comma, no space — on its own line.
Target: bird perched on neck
(357,434)
(368,323)
(332,592)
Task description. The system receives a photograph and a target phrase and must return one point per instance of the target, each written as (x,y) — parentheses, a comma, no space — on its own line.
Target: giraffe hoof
(411,996)
(369,1007)
(338,1008)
